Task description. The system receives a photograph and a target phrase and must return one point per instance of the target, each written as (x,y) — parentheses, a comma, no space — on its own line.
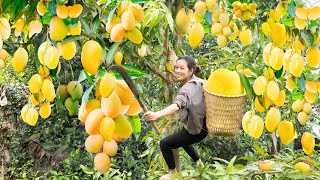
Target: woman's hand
(151,116)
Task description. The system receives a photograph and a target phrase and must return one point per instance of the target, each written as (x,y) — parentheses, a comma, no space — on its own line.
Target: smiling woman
(191,106)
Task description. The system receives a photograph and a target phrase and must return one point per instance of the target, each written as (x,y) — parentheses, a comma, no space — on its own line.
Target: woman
(191,106)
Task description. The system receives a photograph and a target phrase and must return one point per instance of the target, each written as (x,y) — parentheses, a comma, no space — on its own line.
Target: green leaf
(85,26)
(308,76)
(88,77)
(95,24)
(288,21)
(278,73)
(61,2)
(208,17)
(111,13)
(259,150)
(112,52)
(82,76)
(72,38)
(136,125)
(133,72)
(230,165)
(139,1)
(86,169)
(307,37)
(86,95)
(46,18)
(170,21)
(301,83)
(291,9)
(70,22)
(52,8)
(104,53)
(100,73)
(299,3)
(247,86)
(297,95)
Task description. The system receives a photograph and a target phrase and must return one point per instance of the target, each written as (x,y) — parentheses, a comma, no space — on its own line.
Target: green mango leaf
(89,78)
(85,26)
(70,22)
(208,17)
(46,18)
(259,150)
(112,52)
(111,13)
(301,83)
(82,76)
(297,96)
(53,72)
(86,95)
(52,8)
(136,125)
(291,9)
(104,52)
(100,73)
(95,24)
(308,76)
(170,21)
(72,38)
(299,3)
(139,1)
(278,73)
(307,36)
(247,86)
(133,72)
(86,169)
(61,2)
(230,165)
(289,21)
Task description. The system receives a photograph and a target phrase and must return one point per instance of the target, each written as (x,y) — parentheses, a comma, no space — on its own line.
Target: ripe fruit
(47,90)
(310,97)
(118,58)
(200,7)
(69,49)
(135,36)
(86,109)
(111,106)
(296,65)
(224,19)
(102,162)
(32,116)
(5,29)
(72,106)
(297,106)
(311,86)
(137,11)
(307,108)
(117,33)
(245,121)
(302,118)
(255,127)
(51,57)
(266,165)
(245,37)
(286,132)
(62,11)
(313,56)
(273,118)
(45,110)
(94,143)
(308,143)
(24,112)
(124,92)
(107,85)
(4,54)
(34,27)
(281,98)
(222,41)
(196,35)
(75,10)
(216,29)
(266,53)
(183,21)
(127,21)
(110,24)
(226,31)
(110,148)
(107,127)
(122,126)
(91,56)
(142,50)
(58,30)
(225,82)
(75,30)
(93,121)
(275,58)
(278,34)
(260,85)
(272,90)
(37,98)
(19,60)
(35,83)
(265,28)
(301,166)
(134,108)
(75,90)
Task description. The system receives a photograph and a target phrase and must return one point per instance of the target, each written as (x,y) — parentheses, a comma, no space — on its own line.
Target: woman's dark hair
(191,63)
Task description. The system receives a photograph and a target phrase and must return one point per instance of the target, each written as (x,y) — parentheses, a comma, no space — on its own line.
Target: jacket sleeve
(182,98)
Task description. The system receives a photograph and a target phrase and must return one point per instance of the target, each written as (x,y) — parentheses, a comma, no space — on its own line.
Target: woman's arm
(164,112)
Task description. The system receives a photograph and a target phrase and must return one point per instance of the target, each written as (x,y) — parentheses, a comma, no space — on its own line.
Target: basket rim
(242,95)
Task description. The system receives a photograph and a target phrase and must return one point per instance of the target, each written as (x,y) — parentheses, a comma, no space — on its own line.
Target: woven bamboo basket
(224,113)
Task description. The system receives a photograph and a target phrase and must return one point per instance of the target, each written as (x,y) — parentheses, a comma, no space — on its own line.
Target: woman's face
(183,73)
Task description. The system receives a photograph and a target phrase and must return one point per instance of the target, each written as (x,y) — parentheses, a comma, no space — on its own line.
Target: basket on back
(224,113)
